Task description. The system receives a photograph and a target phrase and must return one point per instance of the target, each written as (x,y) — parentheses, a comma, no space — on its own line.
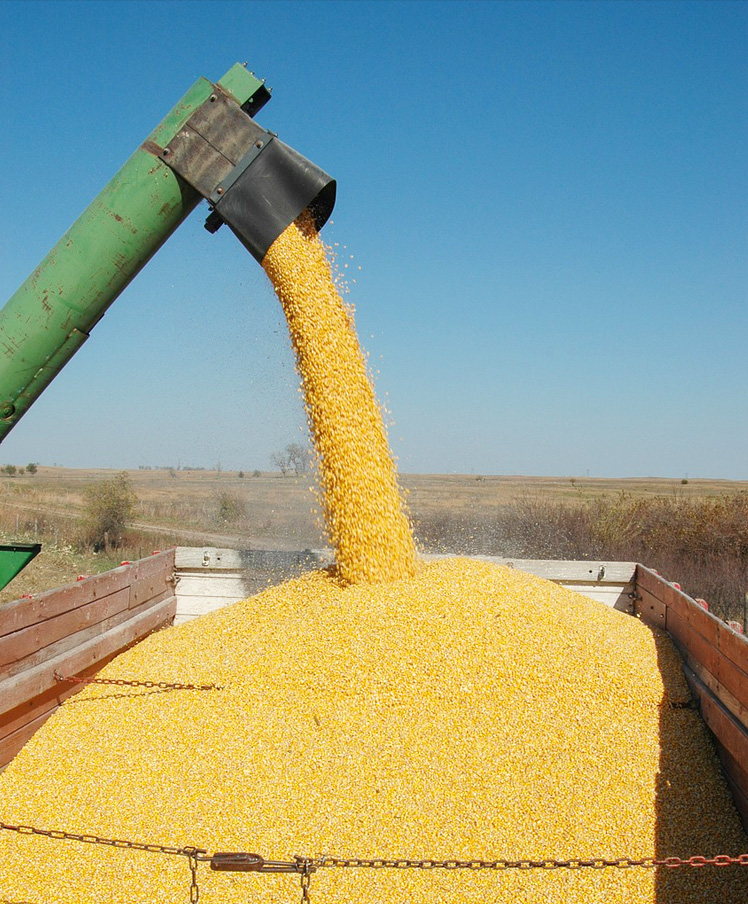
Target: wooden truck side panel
(716,666)
(74,631)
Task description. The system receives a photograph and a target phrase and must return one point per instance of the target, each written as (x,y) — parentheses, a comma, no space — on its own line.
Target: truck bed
(73,631)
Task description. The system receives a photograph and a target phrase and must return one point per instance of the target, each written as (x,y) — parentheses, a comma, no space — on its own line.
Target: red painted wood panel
(74,630)
(705,638)
(738,772)
(22,613)
(27,684)
(735,647)
(71,641)
(153,582)
(731,734)
(11,744)
(31,709)
(719,657)
(693,642)
(680,603)
(21,644)
(43,705)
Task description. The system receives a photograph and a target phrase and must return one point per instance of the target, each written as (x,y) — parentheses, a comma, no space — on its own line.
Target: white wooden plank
(206,557)
(211,557)
(569,570)
(209,577)
(211,584)
(616,596)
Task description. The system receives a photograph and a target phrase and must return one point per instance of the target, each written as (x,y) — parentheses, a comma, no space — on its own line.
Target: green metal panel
(14,557)
(51,315)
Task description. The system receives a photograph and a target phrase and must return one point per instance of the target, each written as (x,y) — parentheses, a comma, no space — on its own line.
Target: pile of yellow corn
(380,710)
(469,711)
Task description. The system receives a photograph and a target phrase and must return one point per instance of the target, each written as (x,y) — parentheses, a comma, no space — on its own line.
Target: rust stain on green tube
(53,312)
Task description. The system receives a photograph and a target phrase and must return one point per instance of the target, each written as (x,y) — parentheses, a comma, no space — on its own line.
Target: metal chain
(306,865)
(194,888)
(575,863)
(97,839)
(192,854)
(305,868)
(122,682)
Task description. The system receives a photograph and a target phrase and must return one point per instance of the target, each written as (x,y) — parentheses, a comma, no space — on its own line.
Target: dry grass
(687,531)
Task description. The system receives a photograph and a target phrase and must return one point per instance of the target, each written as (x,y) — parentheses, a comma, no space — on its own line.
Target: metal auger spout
(207,146)
(253,181)
(269,193)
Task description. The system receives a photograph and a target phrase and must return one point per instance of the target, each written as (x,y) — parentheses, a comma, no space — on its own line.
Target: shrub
(109,504)
(228,509)
(701,543)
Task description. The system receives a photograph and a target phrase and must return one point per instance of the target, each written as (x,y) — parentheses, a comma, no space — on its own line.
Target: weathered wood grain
(27,684)
(33,639)
(25,612)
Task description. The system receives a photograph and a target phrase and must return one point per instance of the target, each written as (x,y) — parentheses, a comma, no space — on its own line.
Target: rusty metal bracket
(211,143)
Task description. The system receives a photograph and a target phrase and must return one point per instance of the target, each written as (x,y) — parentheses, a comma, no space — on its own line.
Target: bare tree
(293,458)
(298,456)
(281,462)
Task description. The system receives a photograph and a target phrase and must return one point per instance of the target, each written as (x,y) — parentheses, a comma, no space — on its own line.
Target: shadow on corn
(122,695)
(685,824)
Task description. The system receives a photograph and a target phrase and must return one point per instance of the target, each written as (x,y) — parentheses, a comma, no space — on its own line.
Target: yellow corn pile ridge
(469,711)
(363,511)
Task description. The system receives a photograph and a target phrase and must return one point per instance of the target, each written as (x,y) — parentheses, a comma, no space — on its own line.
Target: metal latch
(254,863)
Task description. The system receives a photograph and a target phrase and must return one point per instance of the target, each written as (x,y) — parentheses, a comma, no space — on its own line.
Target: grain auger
(208,146)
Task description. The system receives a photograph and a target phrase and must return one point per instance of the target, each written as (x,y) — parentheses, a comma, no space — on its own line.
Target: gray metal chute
(269,193)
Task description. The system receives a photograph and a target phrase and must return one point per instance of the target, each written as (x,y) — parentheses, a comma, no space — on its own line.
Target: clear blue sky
(547,202)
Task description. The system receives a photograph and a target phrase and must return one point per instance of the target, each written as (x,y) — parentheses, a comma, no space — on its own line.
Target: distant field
(433,492)
(283,512)
(270,511)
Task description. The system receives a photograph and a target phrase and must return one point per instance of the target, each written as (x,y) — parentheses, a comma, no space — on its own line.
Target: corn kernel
(468,711)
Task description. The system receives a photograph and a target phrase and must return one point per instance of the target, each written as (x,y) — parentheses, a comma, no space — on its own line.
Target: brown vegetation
(700,542)
(694,533)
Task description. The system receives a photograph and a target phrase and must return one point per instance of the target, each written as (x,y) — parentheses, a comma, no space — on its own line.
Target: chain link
(305,866)
(526,864)
(194,888)
(192,854)
(123,682)
(97,839)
